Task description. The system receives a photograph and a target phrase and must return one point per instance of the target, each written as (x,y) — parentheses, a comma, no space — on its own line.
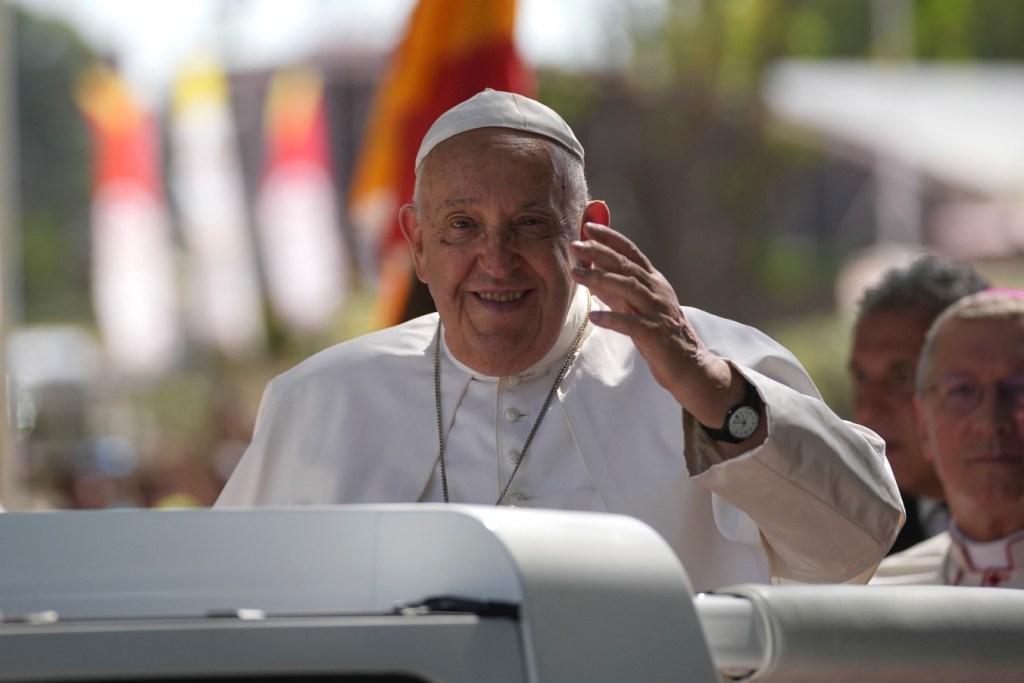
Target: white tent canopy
(961,124)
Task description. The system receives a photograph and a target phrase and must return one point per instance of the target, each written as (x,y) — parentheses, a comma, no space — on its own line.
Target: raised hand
(645,307)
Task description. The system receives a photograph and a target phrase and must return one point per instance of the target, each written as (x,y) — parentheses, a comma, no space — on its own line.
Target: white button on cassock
(513,414)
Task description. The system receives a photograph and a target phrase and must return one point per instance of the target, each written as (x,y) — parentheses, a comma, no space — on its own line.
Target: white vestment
(356,423)
(951,559)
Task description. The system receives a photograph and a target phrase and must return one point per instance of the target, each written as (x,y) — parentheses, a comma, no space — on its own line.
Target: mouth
(501,297)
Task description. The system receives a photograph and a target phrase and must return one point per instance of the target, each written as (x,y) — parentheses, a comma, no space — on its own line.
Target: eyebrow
(465,201)
(458,201)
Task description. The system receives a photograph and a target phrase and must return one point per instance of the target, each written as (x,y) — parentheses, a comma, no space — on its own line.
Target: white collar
(986,554)
(556,354)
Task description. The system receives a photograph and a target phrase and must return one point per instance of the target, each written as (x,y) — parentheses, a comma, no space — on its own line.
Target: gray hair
(989,304)
(573,178)
(928,284)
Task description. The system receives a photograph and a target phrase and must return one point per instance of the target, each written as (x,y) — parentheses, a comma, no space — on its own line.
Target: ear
(923,433)
(597,212)
(410,225)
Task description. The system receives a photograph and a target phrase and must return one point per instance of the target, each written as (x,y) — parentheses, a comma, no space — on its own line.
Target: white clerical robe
(952,559)
(356,423)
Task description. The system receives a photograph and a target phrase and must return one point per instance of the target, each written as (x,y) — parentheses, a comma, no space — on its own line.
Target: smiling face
(883,362)
(496,211)
(978,450)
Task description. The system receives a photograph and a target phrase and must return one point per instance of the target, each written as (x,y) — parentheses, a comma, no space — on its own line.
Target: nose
(871,401)
(499,255)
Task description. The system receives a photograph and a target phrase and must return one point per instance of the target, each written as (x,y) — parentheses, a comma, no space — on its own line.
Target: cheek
(931,439)
(907,418)
(944,445)
(552,258)
(444,266)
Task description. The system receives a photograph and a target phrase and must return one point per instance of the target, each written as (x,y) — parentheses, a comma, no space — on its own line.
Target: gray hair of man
(990,304)
(569,168)
(928,284)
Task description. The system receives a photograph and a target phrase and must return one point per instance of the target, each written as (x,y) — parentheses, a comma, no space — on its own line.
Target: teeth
(501,298)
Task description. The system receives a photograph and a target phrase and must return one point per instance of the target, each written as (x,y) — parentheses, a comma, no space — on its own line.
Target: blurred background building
(196,194)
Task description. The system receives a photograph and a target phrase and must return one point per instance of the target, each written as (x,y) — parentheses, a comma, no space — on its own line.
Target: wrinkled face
(972,419)
(490,238)
(883,363)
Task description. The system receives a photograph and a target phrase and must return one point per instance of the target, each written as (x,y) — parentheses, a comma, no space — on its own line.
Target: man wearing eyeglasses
(970,405)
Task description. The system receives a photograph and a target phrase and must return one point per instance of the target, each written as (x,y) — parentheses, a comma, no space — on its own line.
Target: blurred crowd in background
(167,250)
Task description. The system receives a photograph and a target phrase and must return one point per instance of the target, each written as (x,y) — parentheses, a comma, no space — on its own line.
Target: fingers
(623,323)
(608,241)
(615,269)
(621,292)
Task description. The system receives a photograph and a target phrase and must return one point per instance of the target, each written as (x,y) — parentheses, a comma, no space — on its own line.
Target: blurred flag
(452,50)
(133,279)
(221,280)
(297,216)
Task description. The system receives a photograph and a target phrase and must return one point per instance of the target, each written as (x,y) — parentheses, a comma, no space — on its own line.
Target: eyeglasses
(962,394)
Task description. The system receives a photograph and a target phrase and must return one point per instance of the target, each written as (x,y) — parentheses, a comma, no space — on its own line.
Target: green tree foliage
(969,30)
(53,173)
(688,158)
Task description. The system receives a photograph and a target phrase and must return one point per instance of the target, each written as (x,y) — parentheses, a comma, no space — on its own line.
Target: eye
(535,227)
(902,375)
(459,229)
(860,378)
(959,395)
(1013,391)
(959,388)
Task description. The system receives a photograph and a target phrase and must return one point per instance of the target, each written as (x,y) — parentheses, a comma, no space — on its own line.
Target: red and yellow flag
(452,50)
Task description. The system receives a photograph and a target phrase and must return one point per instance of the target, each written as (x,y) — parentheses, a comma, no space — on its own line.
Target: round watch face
(743,422)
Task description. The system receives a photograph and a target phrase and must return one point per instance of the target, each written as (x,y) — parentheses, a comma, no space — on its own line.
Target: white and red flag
(304,257)
(133,261)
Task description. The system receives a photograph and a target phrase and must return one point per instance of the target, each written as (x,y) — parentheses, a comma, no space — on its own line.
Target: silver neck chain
(536,423)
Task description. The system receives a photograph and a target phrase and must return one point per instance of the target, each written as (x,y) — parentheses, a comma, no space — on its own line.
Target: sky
(151,37)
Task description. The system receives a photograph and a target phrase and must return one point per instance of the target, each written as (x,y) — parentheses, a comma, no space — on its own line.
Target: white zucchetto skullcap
(497,109)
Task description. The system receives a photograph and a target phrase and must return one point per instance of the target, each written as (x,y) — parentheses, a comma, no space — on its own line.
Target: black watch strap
(741,421)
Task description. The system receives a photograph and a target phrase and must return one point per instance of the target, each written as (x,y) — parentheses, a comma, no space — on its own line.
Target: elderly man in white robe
(970,407)
(561,371)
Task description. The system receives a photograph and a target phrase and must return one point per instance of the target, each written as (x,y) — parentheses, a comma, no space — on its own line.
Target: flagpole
(9,469)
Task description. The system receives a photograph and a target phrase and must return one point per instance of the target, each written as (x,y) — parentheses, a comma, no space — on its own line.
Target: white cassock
(356,423)
(952,559)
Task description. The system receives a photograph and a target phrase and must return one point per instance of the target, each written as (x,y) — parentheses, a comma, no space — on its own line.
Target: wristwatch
(741,421)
